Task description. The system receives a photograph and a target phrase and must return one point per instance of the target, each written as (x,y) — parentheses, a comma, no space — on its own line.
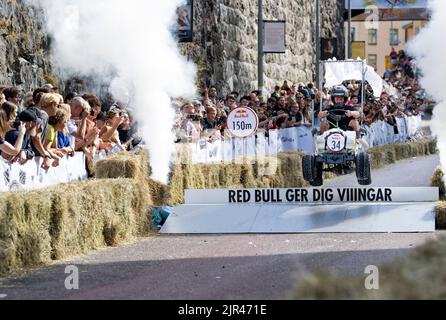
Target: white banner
(298,139)
(31,176)
(288,140)
(311,195)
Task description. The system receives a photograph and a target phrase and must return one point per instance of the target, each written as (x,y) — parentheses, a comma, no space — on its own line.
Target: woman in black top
(5,126)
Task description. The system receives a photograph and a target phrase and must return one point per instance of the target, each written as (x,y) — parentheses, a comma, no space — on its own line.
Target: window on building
(408,34)
(373,61)
(373,36)
(353,33)
(394,37)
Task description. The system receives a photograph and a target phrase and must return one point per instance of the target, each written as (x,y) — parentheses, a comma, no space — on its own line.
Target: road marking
(3,296)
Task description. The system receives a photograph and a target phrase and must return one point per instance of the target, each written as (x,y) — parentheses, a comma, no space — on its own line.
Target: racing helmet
(339,92)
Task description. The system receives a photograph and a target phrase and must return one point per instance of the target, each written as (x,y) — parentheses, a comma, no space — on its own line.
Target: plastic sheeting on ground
(29,176)
(293,139)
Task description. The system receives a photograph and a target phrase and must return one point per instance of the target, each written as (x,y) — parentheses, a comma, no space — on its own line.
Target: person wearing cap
(29,118)
(38,140)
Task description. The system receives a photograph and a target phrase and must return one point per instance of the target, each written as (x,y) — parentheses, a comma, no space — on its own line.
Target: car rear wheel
(363,169)
(308,168)
(318,179)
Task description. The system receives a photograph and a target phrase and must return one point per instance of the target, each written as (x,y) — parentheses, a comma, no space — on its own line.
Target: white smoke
(429,48)
(131,40)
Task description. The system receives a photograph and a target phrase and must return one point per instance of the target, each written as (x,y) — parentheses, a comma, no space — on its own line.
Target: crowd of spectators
(45,124)
(291,104)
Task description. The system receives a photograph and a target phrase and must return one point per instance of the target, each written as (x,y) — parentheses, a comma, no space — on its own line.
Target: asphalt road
(225,267)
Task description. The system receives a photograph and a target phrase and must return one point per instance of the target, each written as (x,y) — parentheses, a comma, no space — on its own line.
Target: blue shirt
(63,140)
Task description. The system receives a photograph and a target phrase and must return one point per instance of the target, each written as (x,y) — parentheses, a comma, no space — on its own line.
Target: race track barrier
(294,139)
(30,176)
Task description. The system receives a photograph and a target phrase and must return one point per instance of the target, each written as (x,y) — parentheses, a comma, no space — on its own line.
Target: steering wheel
(337,110)
(336,117)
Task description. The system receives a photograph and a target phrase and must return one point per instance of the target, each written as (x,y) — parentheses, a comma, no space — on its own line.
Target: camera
(193,117)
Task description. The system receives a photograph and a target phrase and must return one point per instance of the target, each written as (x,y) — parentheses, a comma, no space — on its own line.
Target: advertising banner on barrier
(312,195)
(31,176)
(298,139)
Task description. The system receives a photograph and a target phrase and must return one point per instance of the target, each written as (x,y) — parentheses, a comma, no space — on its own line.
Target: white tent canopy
(337,72)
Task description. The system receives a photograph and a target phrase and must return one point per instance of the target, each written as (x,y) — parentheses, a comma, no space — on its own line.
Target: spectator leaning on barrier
(80,127)
(56,123)
(65,140)
(109,133)
(189,123)
(128,132)
(49,103)
(211,121)
(7,150)
(294,116)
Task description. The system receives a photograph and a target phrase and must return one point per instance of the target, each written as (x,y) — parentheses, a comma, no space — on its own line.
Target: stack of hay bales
(390,154)
(55,223)
(419,276)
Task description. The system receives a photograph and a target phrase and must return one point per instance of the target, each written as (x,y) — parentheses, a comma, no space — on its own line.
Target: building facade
(379,41)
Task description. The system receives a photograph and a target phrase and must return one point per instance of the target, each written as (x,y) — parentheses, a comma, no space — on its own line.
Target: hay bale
(24,232)
(402,151)
(93,214)
(438,181)
(433,146)
(247,176)
(176,186)
(408,278)
(211,174)
(290,166)
(440,215)
(123,165)
(159,193)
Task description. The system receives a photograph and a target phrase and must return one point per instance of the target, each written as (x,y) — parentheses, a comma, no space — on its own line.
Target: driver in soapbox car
(339,113)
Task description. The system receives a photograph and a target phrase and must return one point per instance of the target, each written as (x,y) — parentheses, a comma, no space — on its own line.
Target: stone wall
(225,41)
(24,57)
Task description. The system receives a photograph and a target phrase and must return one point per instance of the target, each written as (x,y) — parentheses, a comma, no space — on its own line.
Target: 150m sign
(243,122)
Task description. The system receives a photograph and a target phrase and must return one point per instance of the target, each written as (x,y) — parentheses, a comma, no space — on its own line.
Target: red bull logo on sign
(241,113)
